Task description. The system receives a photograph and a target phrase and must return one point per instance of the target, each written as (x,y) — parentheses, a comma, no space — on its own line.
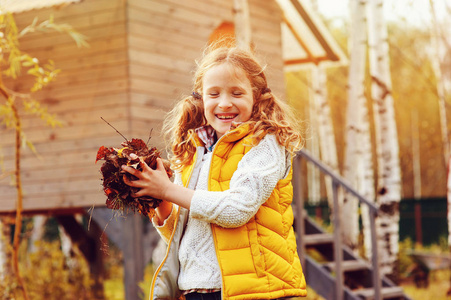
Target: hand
(153,183)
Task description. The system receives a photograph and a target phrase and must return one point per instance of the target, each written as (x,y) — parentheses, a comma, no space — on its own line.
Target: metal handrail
(337,181)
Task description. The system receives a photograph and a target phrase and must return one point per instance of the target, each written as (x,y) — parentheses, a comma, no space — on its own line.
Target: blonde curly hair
(269,114)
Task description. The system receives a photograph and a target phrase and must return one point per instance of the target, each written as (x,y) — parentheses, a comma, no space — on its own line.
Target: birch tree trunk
(387,148)
(66,247)
(37,232)
(323,122)
(441,93)
(438,39)
(358,166)
(313,174)
(3,245)
(416,157)
(5,252)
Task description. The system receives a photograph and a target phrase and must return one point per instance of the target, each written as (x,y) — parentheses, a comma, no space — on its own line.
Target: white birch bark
(441,93)
(443,90)
(5,252)
(387,148)
(37,232)
(3,247)
(358,166)
(66,246)
(416,158)
(324,125)
(312,144)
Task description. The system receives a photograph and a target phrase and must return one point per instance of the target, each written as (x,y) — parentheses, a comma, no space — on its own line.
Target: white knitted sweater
(251,185)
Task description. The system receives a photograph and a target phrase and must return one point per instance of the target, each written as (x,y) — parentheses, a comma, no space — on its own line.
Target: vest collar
(205,135)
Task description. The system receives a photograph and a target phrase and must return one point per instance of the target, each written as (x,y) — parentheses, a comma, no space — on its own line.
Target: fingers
(134,172)
(143,165)
(150,182)
(160,165)
(131,170)
(128,181)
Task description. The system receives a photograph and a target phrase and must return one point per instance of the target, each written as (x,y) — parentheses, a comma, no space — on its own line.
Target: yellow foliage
(48,274)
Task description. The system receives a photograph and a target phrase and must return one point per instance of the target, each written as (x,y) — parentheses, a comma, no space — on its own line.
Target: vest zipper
(152,286)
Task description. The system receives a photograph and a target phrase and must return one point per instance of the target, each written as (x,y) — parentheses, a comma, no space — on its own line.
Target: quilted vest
(258,260)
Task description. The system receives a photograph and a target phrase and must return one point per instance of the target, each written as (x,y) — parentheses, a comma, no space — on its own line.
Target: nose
(224,102)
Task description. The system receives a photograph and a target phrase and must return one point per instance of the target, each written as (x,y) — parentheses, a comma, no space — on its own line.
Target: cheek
(207,108)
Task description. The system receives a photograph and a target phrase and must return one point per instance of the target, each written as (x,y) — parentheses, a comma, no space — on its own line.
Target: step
(349,265)
(318,238)
(387,292)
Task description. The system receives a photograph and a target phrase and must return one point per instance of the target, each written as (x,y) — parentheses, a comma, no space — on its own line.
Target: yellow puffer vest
(257,260)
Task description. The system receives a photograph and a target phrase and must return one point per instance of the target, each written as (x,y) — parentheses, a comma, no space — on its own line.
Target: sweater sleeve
(165,230)
(251,185)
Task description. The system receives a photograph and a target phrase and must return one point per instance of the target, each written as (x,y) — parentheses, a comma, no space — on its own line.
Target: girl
(227,218)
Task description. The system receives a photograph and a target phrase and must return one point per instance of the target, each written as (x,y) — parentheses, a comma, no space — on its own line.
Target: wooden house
(139,62)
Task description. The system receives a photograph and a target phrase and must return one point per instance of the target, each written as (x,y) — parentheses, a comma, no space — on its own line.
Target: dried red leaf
(119,195)
(103,152)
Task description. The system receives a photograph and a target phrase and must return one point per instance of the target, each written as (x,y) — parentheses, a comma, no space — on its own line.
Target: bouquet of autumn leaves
(119,194)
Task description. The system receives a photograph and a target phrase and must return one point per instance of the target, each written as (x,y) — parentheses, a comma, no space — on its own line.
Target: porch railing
(337,181)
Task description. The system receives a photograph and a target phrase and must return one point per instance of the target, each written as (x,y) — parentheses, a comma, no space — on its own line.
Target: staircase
(331,268)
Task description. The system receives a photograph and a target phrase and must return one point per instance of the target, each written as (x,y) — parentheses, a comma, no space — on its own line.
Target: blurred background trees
(418,56)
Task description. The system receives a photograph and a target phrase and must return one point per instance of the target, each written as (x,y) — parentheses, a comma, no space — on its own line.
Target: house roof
(305,38)
(16,6)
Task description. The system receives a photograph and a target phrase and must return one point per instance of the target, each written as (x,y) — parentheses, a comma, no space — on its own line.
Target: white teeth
(226,117)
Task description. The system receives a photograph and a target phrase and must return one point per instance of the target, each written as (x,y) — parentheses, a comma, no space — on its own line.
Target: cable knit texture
(257,174)
(251,185)
(247,207)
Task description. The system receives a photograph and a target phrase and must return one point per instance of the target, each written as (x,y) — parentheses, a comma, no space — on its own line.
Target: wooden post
(242,24)
(377,284)
(338,252)
(132,236)
(298,196)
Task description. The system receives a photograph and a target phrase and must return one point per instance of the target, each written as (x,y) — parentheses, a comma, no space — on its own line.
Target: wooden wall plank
(57,187)
(163,44)
(73,78)
(87,199)
(92,33)
(179,64)
(86,8)
(87,90)
(152,72)
(46,149)
(69,51)
(76,131)
(141,127)
(177,11)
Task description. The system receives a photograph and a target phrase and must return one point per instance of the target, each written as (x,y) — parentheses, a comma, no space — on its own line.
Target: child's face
(227,96)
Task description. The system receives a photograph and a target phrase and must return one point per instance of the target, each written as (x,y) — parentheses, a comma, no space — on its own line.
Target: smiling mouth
(226,117)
